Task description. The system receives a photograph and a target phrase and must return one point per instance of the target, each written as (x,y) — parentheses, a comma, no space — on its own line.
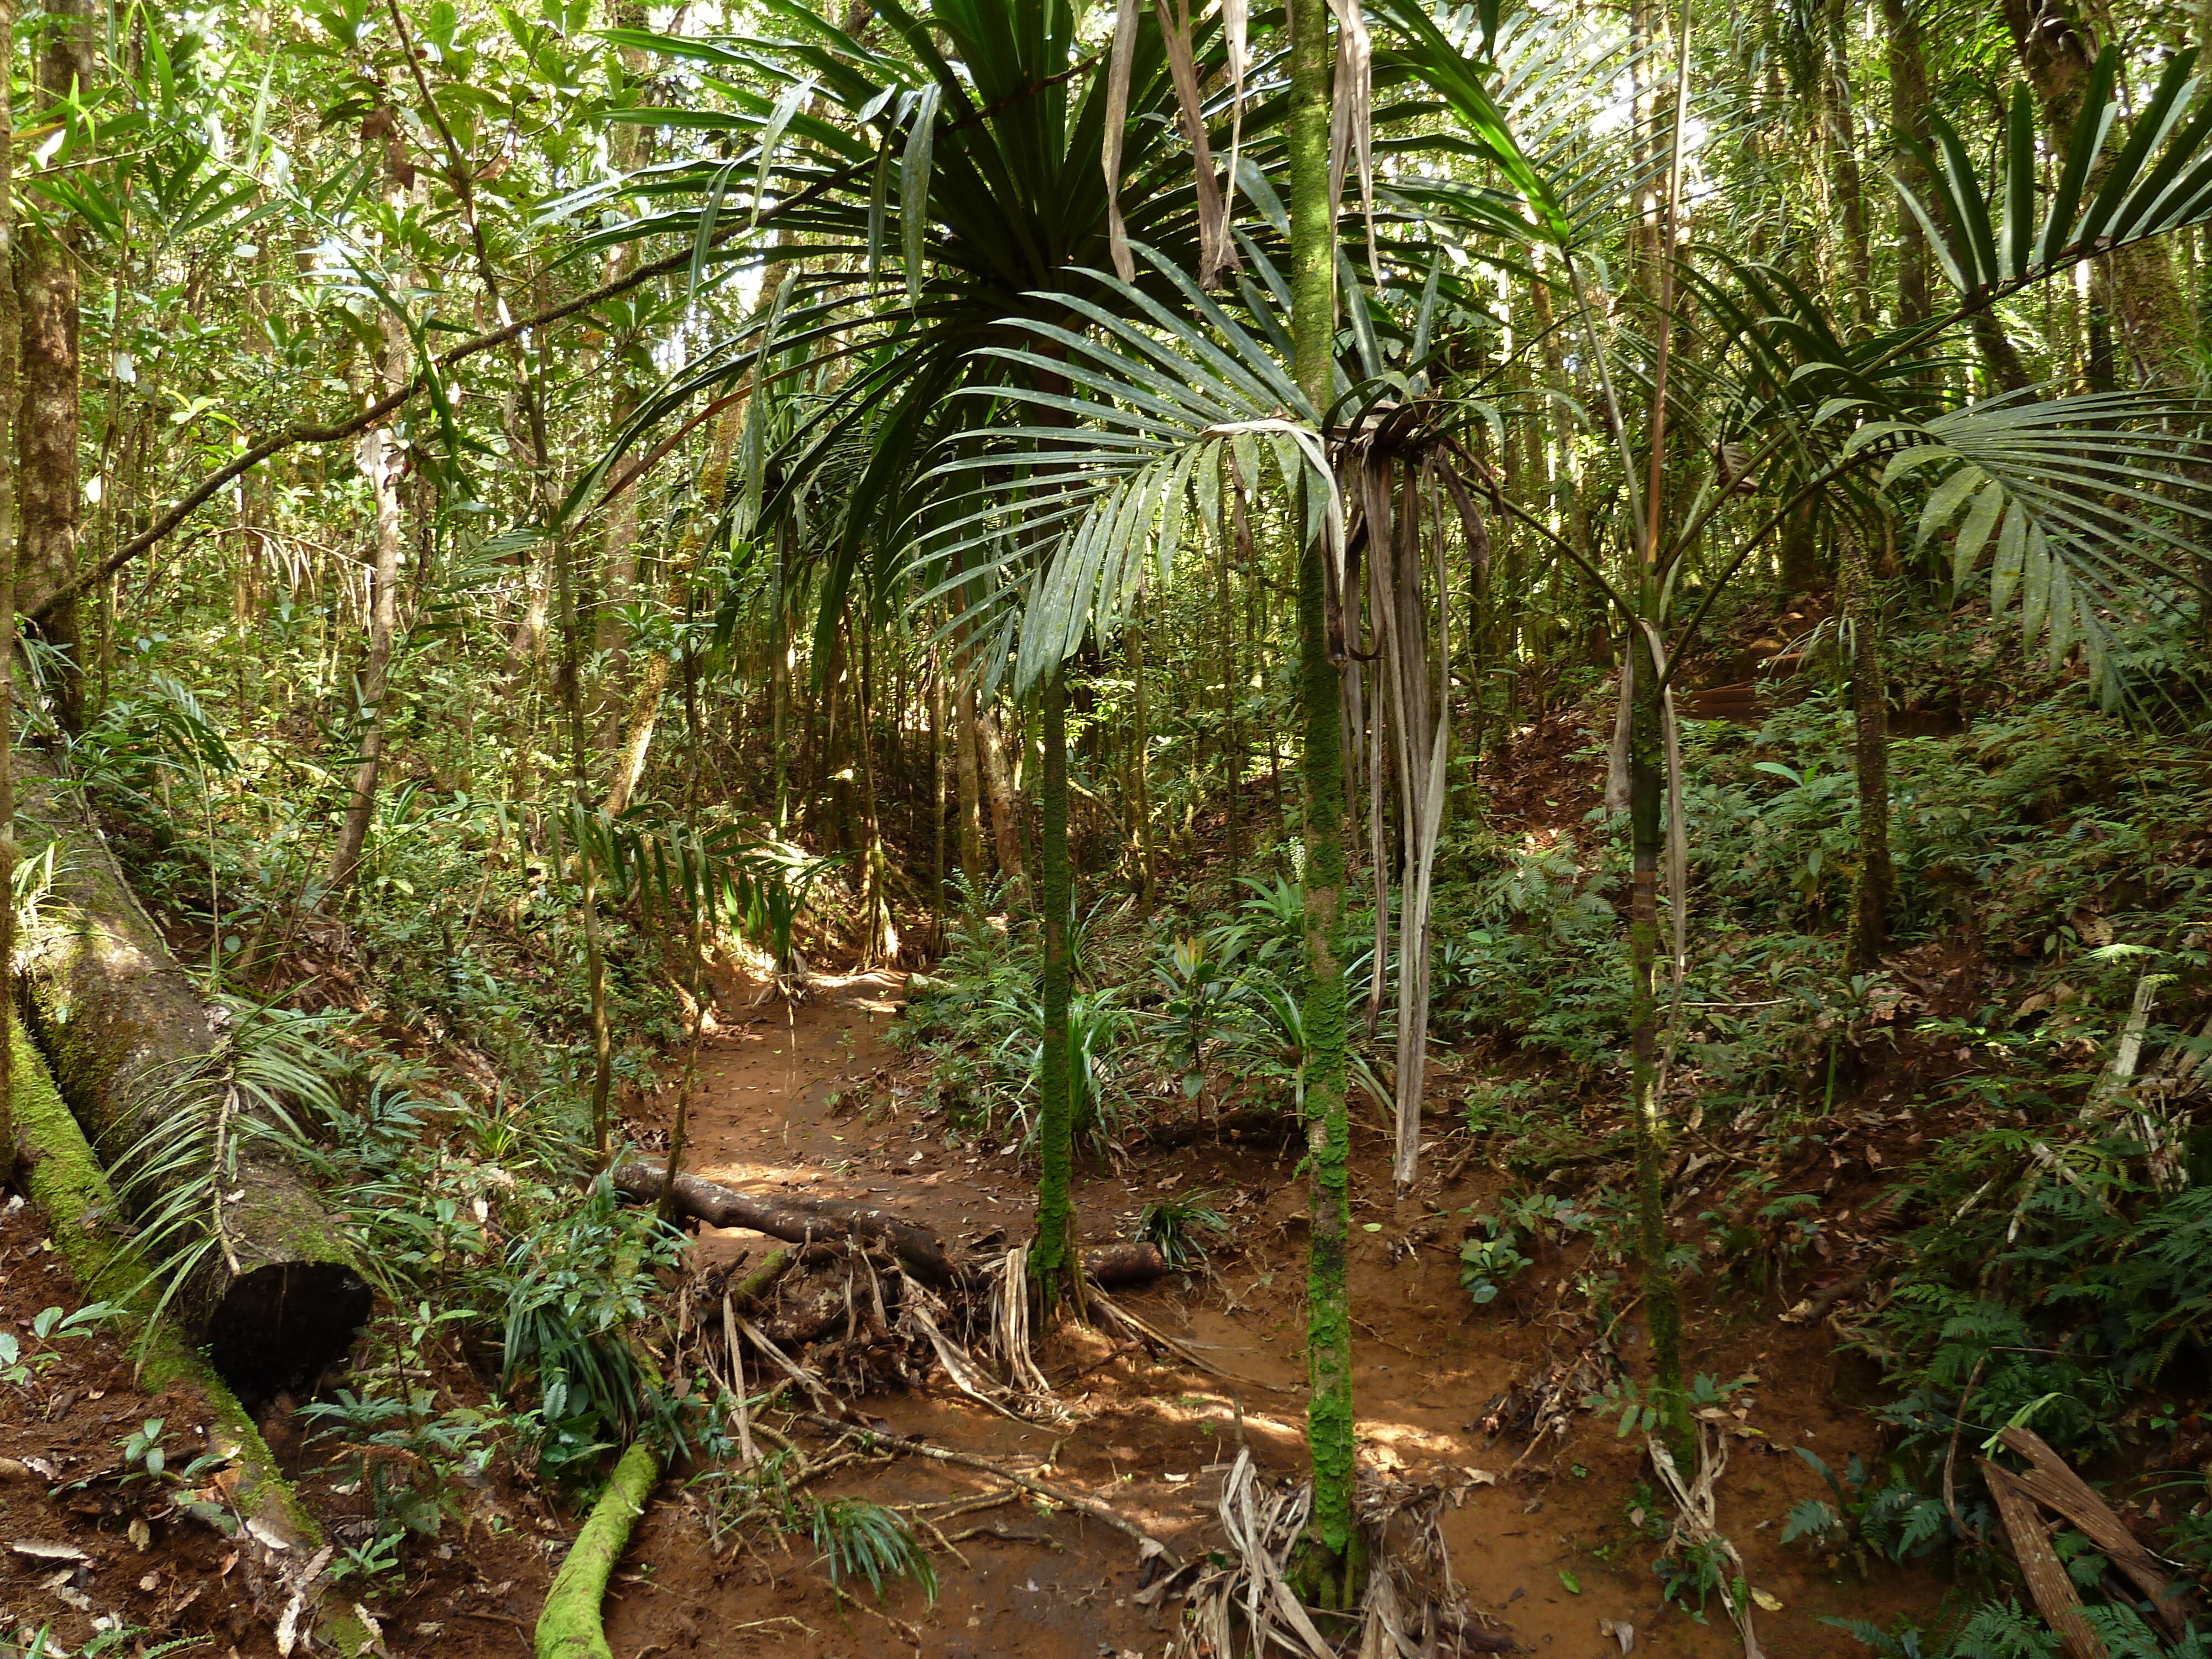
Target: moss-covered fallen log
(133,1046)
(64,1179)
(569,1627)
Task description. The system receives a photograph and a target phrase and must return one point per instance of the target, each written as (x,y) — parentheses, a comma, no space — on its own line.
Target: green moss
(569,1627)
(1329,1564)
(1647,1110)
(1053,1258)
(64,1180)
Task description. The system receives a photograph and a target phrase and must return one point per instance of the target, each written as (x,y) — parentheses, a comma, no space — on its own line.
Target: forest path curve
(814,1100)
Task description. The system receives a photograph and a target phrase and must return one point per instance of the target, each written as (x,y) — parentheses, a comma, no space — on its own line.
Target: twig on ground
(1090,1506)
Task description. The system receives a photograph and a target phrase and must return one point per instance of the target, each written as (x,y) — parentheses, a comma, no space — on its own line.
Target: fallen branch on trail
(1248,1123)
(64,1180)
(569,1627)
(143,1066)
(795,1221)
(1147,1545)
(807,1220)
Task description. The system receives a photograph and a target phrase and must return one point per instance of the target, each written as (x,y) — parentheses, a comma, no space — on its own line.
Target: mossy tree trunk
(1647,831)
(1876,883)
(1330,1565)
(569,1624)
(51,492)
(10,346)
(126,1031)
(1908,118)
(66,1183)
(1053,1258)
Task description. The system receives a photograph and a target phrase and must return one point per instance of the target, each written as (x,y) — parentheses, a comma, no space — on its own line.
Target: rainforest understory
(1101,832)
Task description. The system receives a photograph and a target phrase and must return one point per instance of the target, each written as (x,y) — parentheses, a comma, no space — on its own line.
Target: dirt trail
(814,1100)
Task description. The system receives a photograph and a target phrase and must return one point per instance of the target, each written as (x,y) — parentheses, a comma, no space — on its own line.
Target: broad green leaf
(2004,574)
(1974,534)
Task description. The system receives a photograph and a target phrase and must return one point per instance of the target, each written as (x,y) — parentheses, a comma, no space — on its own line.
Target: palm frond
(1071,513)
(2073,498)
(2151,175)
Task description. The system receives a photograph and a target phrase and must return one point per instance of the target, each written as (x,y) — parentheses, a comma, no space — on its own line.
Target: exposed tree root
(1147,1545)
(1409,1600)
(65,1181)
(569,1627)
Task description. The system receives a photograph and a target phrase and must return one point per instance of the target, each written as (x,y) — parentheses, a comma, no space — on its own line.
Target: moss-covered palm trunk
(11,337)
(1331,1563)
(1054,1258)
(1647,831)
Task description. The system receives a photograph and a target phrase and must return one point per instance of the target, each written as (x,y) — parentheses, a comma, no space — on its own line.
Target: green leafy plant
(1175,1224)
(860,1540)
(1487,1265)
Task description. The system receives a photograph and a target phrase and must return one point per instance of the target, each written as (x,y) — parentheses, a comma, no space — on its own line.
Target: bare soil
(812,1099)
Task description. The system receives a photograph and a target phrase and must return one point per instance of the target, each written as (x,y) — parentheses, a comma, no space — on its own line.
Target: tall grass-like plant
(578,1291)
(863,1540)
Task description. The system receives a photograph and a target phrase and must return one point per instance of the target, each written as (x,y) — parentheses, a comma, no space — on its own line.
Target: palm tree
(2077,495)
(937,196)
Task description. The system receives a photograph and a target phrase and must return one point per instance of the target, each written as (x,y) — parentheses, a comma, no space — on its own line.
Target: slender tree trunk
(1875,882)
(1054,1260)
(967,737)
(1331,1566)
(1647,1108)
(881,944)
(939,794)
(380,459)
(1908,116)
(1005,822)
(1800,573)
(1843,148)
(1232,752)
(1140,787)
(779,680)
(49,493)
(652,681)
(10,347)
(2147,301)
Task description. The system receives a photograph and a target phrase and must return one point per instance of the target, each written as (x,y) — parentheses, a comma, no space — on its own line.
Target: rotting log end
(284,1323)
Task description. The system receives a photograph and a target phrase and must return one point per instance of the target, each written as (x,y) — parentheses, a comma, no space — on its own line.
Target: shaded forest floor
(1551,1534)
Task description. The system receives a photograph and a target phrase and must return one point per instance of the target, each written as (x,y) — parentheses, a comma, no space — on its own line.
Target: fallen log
(64,1179)
(1116,1266)
(804,1220)
(1246,1123)
(569,1627)
(128,1036)
(795,1221)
